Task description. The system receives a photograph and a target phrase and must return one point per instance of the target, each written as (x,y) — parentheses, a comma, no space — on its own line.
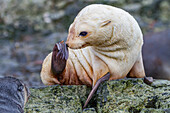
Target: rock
(164,7)
(27,36)
(89,110)
(125,95)
(133,96)
(16,19)
(147,2)
(132,7)
(57,98)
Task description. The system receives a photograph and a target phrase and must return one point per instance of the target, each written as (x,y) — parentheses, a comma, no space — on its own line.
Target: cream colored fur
(113,44)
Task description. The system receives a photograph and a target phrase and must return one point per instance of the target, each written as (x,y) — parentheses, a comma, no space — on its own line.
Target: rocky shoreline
(29,30)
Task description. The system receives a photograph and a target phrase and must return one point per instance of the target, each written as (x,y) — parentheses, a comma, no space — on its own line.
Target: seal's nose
(66,45)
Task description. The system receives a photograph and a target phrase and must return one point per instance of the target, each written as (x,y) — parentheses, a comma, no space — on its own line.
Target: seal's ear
(107,22)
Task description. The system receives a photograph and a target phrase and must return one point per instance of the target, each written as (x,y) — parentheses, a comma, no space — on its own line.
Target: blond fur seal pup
(104,41)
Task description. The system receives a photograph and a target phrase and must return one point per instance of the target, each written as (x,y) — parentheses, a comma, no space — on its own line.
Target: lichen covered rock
(57,99)
(125,95)
(89,110)
(133,95)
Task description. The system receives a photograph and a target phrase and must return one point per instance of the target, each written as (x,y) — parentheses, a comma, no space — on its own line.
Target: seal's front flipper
(59,58)
(102,79)
(148,80)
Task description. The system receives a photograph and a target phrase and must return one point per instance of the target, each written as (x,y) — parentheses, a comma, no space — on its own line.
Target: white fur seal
(102,40)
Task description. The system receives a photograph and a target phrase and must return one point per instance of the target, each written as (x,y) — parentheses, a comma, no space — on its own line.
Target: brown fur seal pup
(13,96)
(104,42)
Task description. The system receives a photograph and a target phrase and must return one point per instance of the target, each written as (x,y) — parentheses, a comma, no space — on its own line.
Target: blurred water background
(30,28)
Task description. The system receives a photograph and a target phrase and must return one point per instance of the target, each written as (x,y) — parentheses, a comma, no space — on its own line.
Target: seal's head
(90,27)
(100,25)
(13,92)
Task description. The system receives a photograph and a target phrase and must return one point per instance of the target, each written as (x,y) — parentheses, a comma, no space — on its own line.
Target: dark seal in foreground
(13,96)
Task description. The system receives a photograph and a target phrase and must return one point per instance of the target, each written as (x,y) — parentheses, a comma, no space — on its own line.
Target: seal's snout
(73,39)
(67,43)
(75,43)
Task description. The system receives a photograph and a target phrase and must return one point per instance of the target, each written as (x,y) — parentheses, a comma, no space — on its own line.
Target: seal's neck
(112,49)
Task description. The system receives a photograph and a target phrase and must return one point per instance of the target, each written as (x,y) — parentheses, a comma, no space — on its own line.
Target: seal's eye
(83,33)
(20,88)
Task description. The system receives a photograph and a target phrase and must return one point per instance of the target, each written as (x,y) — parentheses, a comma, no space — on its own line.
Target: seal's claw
(66,51)
(148,80)
(59,58)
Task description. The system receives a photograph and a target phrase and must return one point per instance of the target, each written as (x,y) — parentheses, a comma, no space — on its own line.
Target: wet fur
(13,96)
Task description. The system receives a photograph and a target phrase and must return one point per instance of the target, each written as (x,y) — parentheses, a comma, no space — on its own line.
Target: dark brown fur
(13,95)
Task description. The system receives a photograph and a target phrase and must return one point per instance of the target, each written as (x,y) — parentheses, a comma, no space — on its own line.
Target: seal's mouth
(76,45)
(83,46)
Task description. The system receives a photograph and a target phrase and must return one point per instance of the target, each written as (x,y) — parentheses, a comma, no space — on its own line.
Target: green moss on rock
(89,110)
(57,99)
(133,95)
(125,95)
